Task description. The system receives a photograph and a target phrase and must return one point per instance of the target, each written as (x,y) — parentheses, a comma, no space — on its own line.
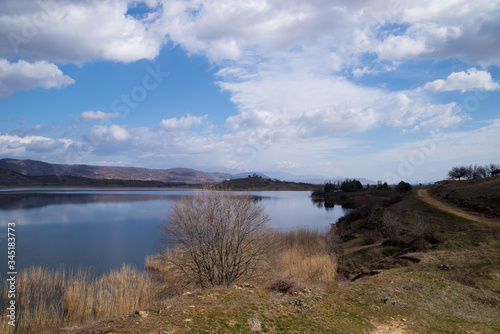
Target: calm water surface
(102,229)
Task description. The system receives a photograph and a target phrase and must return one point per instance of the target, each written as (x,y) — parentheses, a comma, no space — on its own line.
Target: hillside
(261,183)
(476,196)
(12,179)
(39,168)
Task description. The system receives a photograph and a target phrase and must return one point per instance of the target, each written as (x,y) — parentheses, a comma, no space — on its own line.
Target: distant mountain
(8,178)
(39,168)
(181,175)
(12,179)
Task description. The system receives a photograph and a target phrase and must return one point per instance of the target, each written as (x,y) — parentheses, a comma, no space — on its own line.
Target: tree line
(472,172)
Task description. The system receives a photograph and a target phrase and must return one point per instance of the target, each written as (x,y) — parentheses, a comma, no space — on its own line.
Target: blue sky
(384,90)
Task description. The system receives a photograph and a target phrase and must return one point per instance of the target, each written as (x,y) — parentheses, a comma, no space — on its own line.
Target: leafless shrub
(282,285)
(216,237)
(371,237)
(391,227)
(419,228)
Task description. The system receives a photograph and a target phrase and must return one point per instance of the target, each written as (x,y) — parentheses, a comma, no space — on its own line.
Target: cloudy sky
(387,90)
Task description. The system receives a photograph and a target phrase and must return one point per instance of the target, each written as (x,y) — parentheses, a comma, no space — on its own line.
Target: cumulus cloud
(33,146)
(91,115)
(292,103)
(183,123)
(223,30)
(101,133)
(464,81)
(22,75)
(77,31)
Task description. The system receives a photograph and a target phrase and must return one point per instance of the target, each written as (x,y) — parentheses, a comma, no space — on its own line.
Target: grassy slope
(417,297)
(481,195)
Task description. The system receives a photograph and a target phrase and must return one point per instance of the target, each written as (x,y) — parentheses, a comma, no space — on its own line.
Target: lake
(101,229)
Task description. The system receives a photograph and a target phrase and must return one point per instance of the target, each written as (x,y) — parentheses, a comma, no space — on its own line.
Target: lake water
(102,229)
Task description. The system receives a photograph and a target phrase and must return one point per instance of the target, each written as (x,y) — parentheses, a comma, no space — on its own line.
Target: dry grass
(304,257)
(49,299)
(300,255)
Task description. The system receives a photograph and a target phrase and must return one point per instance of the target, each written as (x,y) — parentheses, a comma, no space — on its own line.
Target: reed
(50,299)
(304,257)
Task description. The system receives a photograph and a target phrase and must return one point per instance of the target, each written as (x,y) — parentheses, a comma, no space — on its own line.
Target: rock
(255,324)
(141,313)
(243,286)
(166,331)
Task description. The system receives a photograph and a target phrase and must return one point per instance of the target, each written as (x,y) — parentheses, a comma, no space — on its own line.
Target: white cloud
(278,102)
(183,123)
(464,81)
(101,133)
(91,115)
(22,75)
(35,147)
(76,31)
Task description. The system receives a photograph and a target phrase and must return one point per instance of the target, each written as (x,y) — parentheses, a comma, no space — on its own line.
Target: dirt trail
(424,195)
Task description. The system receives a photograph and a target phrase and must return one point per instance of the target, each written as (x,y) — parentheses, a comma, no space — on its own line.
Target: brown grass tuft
(50,299)
(304,257)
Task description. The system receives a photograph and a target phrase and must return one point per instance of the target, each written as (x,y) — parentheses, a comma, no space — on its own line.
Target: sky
(385,90)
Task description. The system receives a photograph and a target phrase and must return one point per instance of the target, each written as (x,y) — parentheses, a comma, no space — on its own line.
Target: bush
(218,237)
(371,237)
(403,187)
(391,227)
(283,285)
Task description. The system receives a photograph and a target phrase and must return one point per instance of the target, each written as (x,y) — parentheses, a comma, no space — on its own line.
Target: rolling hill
(39,168)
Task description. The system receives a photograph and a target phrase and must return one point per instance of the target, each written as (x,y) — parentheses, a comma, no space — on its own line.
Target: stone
(255,324)
(142,314)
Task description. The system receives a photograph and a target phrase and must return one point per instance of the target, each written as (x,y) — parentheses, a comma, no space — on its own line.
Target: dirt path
(424,195)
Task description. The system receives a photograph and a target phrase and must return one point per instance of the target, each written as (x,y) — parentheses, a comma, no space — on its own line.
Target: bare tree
(469,172)
(218,237)
(480,172)
(457,172)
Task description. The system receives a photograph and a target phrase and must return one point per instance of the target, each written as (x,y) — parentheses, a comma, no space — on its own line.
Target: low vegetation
(49,299)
